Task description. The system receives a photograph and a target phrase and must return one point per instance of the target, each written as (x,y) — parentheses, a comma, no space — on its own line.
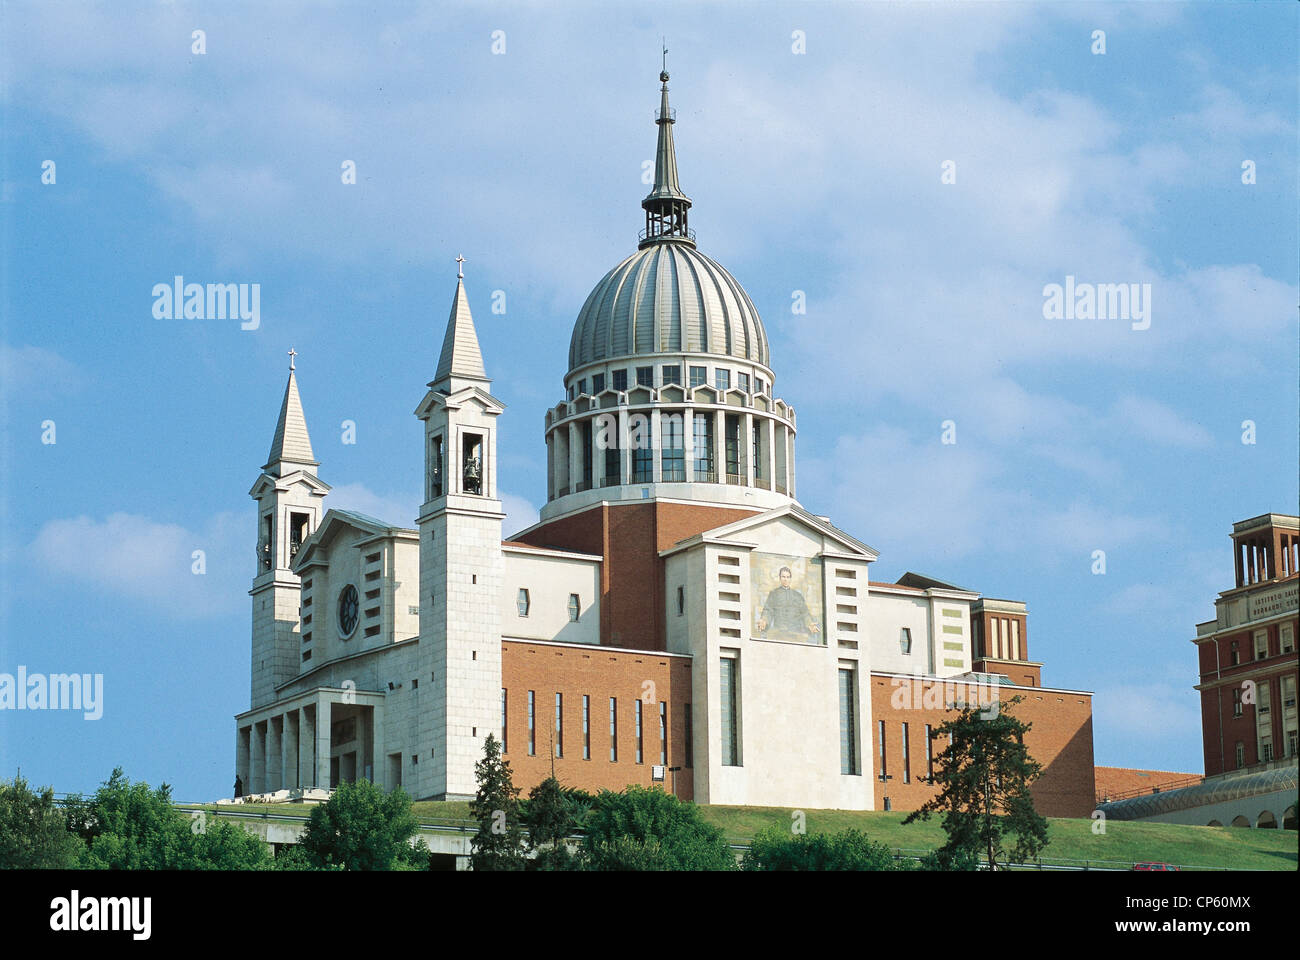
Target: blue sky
(817,172)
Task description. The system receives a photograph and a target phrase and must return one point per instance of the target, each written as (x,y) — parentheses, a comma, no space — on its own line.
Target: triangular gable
(267,482)
(454,401)
(330,527)
(737,529)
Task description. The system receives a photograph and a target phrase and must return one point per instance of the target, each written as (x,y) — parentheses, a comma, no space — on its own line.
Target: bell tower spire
(666,206)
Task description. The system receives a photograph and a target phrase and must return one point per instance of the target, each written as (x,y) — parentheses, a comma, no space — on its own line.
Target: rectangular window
(613,730)
(522,602)
(722,379)
(681,600)
(848,724)
(703,440)
(559,724)
(1236,653)
(880,735)
(613,461)
(620,379)
(699,376)
(905,641)
(1236,701)
(759,386)
(575,608)
(663,732)
(645,376)
(690,739)
(1286,637)
(1288,692)
(674,448)
(907,758)
(733,447)
(582,386)
(640,740)
(597,382)
(569,393)
(1241,754)
(642,463)
(929,756)
(471,468)
(435,468)
(532,723)
(727,689)
(758,451)
(742,382)
(503,719)
(672,374)
(1261,644)
(586,727)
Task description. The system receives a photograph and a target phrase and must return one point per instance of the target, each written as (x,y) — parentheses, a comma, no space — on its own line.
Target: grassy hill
(1123,843)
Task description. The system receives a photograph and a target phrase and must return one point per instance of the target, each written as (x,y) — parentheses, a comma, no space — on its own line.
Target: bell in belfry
(473,476)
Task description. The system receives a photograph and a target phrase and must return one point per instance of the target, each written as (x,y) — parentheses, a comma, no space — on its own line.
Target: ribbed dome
(668,298)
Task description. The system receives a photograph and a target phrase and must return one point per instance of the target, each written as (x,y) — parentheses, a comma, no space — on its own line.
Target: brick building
(675,616)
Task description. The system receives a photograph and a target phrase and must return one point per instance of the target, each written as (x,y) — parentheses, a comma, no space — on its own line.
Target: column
(257,775)
(242,738)
(307,745)
(656,448)
(769,457)
(1236,556)
(688,441)
(598,450)
(292,772)
(575,457)
(720,445)
(274,756)
(550,467)
(789,459)
(625,444)
(747,448)
(323,741)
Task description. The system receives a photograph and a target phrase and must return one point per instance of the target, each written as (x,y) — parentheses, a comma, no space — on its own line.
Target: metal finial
(460,270)
(663,72)
(292,353)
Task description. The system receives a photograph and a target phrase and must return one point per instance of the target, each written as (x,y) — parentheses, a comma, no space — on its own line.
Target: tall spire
(665,206)
(461,357)
(291,444)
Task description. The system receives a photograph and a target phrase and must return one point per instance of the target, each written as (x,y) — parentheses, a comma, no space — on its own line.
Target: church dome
(668,298)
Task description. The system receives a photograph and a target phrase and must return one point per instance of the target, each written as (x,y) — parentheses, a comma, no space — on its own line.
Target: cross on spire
(460,269)
(292,353)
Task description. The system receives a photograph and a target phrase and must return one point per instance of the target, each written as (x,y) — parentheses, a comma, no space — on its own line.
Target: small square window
(597,382)
(699,376)
(522,602)
(645,376)
(575,608)
(672,374)
(620,379)
(722,379)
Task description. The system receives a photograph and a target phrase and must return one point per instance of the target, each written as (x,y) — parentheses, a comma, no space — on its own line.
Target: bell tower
(460,559)
(289,508)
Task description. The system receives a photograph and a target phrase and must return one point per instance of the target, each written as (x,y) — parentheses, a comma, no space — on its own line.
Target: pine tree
(985,773)
(550,823)
(499,843)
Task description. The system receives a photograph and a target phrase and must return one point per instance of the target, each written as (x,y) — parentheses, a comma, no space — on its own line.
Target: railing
(687,234)
(736,479)
(705,476)
(1103,797)
(763,483)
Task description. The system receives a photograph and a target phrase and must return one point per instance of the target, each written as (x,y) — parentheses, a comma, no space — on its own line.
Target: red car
(1155,865)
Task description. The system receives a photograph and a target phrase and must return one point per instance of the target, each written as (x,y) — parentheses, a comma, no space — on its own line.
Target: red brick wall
(1113,781)
(600,673)
(630,537)
(1060,739)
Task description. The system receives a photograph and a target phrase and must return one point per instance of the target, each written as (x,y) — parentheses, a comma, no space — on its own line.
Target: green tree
(499,843)
(34,832)
(626,854)
(773,849)
(549,817)
(985,774)
(650,817)
(129,826)
(362,828)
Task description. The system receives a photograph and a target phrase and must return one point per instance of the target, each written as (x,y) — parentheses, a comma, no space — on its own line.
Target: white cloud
(141,559)
(1151,420)
(357,497)
(29,368)
(520,513)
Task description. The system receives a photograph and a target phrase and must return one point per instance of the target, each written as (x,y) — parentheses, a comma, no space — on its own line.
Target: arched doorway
(1240,822)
